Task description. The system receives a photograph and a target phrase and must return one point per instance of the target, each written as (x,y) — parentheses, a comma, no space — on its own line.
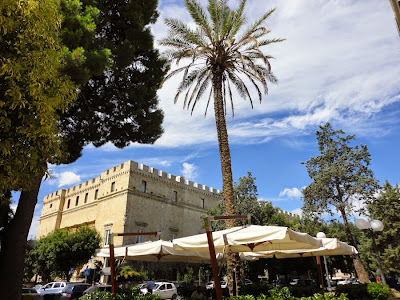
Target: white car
(348,281)
(166,290)
(52,288)
(211,285)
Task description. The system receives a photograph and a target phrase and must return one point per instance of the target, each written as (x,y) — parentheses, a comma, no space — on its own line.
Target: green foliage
(386,208)
(121,294)
(285,294)
(370,291)
(340,173)
(122,44)
(378,291)
(32,89)
(61,250)
(280,294)
(126,272)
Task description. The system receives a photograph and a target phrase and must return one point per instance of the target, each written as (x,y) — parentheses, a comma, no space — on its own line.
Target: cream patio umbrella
(251,238)
(161,251)
(330,246)
(157,251)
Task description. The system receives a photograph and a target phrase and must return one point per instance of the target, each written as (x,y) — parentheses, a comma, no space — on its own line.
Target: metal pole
(112,257)
(378,257)
(327,275)
(214,266)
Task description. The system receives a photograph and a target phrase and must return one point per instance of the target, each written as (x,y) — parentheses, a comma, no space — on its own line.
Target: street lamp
(372,226)
(322,235)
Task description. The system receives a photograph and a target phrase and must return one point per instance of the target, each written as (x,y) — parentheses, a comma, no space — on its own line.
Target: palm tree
(219,57)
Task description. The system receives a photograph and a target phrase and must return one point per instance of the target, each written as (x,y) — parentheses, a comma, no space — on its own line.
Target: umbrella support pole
(112,258)
(320,276)
(211,248)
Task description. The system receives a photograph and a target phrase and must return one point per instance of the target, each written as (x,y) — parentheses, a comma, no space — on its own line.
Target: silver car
(166,290)
(52,288)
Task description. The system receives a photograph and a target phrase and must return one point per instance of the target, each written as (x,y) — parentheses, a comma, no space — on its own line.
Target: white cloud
(297,211)
(291,193)
(67,178)
(325,73)
(189,171)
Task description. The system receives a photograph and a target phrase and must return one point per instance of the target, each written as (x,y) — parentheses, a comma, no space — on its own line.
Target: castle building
(130,198)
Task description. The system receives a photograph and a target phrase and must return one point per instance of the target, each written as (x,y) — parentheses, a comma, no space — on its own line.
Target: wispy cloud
(291,193)
(189,171)
(64,178)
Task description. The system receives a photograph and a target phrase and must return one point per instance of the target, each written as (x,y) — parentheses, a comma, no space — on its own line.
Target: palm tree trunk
(13,243)
(361,273)
(224,152)
(227,181)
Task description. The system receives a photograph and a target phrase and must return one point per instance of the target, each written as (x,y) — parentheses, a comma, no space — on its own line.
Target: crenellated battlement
(123,169)
(150,171)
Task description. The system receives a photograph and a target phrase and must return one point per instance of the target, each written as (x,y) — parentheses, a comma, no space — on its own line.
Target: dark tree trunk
(361,273)
(13,244)
(226,170)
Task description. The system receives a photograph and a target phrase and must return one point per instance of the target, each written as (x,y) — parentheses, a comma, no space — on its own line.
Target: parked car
(166,290)
(210,285)
(30,293)
(248,281)
(100,287)
(294,281)
(52,288)
(73,291)
(348,281)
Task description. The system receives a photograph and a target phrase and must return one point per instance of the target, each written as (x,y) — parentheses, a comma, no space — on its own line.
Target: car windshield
(91,289)
(68,289)
(156,286)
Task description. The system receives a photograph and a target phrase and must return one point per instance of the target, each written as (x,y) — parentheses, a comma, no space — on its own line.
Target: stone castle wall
(117,201)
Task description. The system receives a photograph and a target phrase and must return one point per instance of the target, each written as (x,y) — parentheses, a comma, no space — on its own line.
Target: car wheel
(173,297)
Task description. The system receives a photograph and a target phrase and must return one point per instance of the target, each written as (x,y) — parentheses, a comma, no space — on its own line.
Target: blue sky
(339,63)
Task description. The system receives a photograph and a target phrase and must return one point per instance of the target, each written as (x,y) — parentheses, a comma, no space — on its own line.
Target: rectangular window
(202,203)
(86,197)
(96,194)
(51,205)
(175,196)
(140,238)
(113,186)
(69,203)
(144,186)
(107,233)
(77,201)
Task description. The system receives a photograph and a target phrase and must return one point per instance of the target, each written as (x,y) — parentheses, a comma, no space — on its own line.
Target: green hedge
(366,291)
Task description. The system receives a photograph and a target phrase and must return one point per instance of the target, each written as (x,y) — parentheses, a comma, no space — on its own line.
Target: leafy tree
(217,58)
(385,207)
(118,104)
(32,90)
(339,175)
(58,252)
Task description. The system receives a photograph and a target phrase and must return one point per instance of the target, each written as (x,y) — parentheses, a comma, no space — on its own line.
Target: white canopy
(154,251)
(252,238)
(330,246)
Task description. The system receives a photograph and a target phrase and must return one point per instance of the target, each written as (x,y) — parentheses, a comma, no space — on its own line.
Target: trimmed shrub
(303,291)
(379,291)
(366,291)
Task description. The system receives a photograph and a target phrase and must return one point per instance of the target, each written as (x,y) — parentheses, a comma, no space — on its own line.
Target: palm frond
(255,26)
(178,29)
(208,101)
(238,19)
(199,16)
